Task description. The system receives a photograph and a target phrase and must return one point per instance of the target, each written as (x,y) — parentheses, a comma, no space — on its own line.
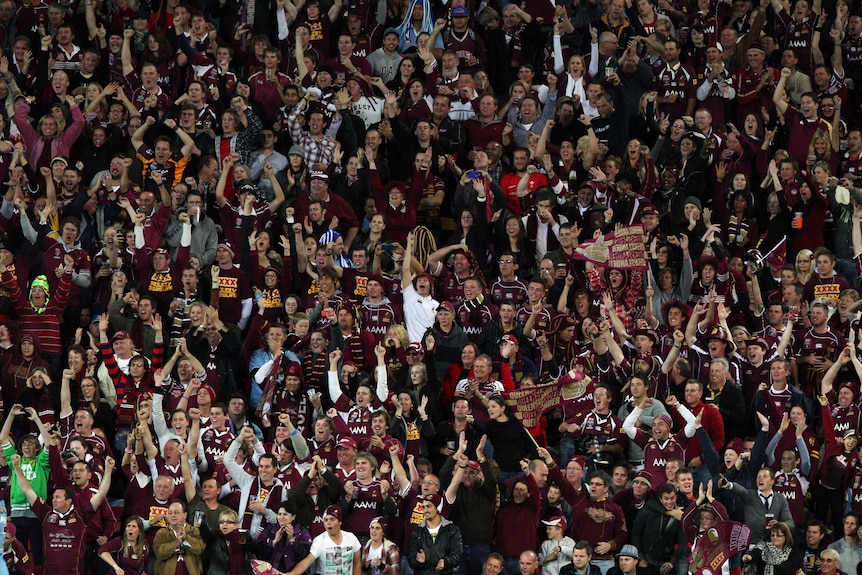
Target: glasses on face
(227,522)
(426,482)
(505,261)
(597,483)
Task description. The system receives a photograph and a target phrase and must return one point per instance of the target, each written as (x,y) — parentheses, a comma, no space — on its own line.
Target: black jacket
(570,570)
(446,546)
(659,537)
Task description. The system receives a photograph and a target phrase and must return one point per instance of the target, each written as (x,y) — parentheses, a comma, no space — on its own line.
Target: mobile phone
(474,174)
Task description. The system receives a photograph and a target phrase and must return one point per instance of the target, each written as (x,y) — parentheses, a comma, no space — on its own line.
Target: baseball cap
(446,306)
(122,334)
(346,443)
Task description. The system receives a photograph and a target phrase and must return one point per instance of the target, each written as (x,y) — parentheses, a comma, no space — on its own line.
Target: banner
(529,403)
(622,249)
(718,545)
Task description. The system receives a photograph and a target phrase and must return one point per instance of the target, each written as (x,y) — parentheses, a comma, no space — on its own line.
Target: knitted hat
(41,282)
(210,391)
(335,511)
(665,418)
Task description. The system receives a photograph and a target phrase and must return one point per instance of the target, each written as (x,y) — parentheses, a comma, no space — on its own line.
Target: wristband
(294,433)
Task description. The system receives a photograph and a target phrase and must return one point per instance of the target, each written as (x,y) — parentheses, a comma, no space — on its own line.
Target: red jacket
(711,421)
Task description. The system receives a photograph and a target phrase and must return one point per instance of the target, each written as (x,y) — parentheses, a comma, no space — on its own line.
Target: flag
(624,248)
(529,403)
(718,545)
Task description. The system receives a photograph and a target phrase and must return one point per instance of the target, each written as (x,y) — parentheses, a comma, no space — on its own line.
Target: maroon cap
(736,445)
(557,521)
(474,465)
(335,511)
(415,347)
(446,306)
(376,278)
(294,369)
(122,334)
(435,499)
(162,251)
(318,175)
(580,460)
(649,210)
(644,476)
(756,46)
(758,341)
(346,443)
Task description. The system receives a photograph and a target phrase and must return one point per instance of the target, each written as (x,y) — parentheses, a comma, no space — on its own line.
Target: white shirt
(419,312)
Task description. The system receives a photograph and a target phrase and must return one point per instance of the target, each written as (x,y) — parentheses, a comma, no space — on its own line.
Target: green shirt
(36,471)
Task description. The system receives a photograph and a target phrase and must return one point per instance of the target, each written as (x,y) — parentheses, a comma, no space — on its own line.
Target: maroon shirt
(63,536)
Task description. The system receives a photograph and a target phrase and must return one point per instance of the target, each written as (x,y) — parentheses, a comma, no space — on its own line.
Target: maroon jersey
(450,287)
(752,377)
(296,405)
(851,49)
(851,164)
(798,35)
(213,445)
(515,291)
(680,80)
(856,492)
(160,467)
(474,316)
(367,503)
(542,322)
(778,403)
(63,537)
(656,454)
(608,425)
(97,444)
(828,345)
(233,287)
(321,34)
(53,256)
(801,132)
(325,449)
(469,44)
(353,284)
(846,418)
(793,487)
(289,475)
(377,318)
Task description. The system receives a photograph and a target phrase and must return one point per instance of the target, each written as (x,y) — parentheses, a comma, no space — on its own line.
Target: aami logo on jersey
(857,498)
(659,463)
(358,429)
(365,504)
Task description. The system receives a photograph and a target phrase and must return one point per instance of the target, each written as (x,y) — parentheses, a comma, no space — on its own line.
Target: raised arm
(778,96)
(23,483)
(104,485)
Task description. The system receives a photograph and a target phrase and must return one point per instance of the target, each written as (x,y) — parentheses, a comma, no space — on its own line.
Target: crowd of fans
(269,268)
